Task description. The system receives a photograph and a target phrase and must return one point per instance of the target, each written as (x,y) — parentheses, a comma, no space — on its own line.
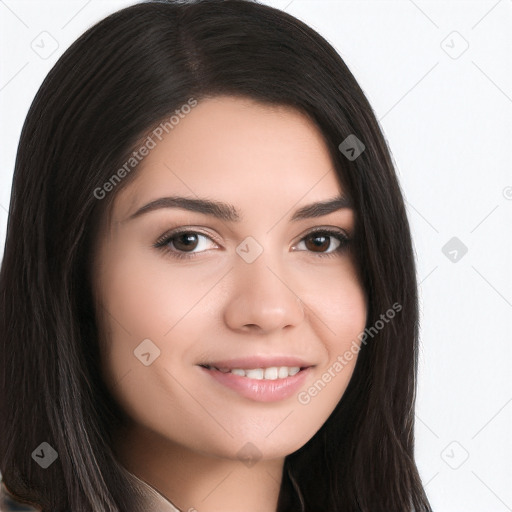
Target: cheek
(145,299)
(177,307)
(338,305)
(149,321)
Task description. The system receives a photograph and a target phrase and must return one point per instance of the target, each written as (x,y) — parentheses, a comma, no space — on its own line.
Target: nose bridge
(263,277)
(263,295)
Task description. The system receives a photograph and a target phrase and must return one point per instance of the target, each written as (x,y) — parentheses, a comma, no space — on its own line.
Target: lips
(252,362)
(262,379)
(270,373)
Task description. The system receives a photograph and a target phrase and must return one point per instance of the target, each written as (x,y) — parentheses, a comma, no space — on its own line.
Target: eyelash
(162,242)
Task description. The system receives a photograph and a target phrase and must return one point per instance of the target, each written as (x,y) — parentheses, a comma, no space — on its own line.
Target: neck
(198,482)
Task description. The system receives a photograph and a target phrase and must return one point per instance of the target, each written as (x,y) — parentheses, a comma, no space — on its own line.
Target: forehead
(235,149)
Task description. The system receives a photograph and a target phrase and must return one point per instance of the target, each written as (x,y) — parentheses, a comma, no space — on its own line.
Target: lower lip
(261,390)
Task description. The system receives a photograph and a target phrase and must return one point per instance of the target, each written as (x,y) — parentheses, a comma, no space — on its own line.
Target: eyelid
(191,228)
(323,228)
(185,229)
(332,232)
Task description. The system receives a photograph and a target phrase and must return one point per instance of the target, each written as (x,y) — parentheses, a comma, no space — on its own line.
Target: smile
(271,373)
(259,384)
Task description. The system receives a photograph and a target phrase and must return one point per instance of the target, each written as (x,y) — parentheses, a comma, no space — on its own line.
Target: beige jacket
(154,500)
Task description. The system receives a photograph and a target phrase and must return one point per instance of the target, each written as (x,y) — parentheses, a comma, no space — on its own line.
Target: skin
(186,429)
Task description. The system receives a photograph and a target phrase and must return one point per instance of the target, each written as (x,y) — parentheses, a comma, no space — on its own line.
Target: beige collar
(154,500)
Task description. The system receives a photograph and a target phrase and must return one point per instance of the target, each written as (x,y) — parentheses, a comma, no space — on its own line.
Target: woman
(270,367)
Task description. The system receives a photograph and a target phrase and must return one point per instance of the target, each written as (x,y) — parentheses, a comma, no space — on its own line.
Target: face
(195,308)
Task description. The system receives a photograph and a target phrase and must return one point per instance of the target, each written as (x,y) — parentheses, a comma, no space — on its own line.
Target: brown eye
(185,241)
(319,243)
(184,244)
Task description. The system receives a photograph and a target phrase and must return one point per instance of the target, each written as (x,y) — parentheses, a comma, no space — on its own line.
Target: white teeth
(283,372)
(271,373)
(254,374)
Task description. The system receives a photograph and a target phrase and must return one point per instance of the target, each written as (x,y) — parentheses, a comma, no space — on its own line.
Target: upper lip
(252,362)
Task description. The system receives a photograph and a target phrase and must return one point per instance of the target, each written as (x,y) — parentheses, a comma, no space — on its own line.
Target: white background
(446,112)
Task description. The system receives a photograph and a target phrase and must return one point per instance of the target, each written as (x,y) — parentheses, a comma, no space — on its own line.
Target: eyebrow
(228,212)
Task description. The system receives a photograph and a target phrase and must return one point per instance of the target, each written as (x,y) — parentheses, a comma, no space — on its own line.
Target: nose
(262,298)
